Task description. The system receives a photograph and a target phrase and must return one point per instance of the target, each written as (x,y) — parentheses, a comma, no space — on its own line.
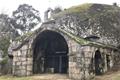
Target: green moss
(75,9)
(83,41)
(22,38)
(8,77)
(4,61)
(84,10)
(79,8)
(4,44)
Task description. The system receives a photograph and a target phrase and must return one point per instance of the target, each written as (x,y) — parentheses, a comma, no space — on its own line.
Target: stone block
(24,52)
(30,59)
(72,64)
(15,59)
(17,73)
(18,63)
(88,54)
(23,73)
(86,48)
(19,53)
(74,48)
(29,63)
(23,59)
(87,60)
(76,70)
(25,47)
(29,68)
(24,63)
(29,73)
(23,67)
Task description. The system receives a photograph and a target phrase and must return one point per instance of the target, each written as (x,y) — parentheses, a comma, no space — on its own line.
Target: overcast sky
(7,6)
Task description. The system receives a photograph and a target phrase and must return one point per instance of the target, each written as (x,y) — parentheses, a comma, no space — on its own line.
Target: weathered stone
(18,63)
(24,63)
(89,38)
(23,58)
(23,67)
(29,67)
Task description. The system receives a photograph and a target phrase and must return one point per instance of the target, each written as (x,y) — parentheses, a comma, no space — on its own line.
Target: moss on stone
(89,10)
(4,61)
(83,41)
(79,8)
(23,37)
(75,9)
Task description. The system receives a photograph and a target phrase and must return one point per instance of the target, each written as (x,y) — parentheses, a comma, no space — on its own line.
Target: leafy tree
(6,27)
(4,43)
(57,9)
(4,23)
(25,18)
(7,32)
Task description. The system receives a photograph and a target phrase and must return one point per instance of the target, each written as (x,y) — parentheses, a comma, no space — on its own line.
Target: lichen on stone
(96,19)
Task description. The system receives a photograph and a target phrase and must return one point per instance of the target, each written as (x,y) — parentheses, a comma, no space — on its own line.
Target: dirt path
(50,77)
(109,76)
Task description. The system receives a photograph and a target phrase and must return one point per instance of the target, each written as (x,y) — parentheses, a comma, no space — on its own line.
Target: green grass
(8,77)
(15,78)
(75,9)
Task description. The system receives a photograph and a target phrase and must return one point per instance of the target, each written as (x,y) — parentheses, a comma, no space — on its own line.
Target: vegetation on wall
(84,42)
(92,19)
(4,44)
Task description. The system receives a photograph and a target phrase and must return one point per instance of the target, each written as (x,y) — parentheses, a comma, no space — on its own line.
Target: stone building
(81,41)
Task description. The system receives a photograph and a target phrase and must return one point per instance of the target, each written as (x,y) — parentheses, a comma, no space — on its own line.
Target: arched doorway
(50,51)
(98,63)
(108,61)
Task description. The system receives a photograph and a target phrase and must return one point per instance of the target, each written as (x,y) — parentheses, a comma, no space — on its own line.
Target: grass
(109,76)
(15,78)
(37,77)
(75,9)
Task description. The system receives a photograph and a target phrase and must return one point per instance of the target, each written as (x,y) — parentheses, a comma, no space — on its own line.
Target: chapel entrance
(98,63)
(50,53)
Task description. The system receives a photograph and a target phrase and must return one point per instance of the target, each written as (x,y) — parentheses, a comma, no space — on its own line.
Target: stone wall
(74,69)
(81,60)
(22,61)
(82,64)
(116,60)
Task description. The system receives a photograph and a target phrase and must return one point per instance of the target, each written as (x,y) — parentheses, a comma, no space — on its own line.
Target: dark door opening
(50,53)
(108,61)
(98,63)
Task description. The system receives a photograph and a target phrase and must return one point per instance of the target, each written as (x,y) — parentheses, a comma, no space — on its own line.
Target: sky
(7,6)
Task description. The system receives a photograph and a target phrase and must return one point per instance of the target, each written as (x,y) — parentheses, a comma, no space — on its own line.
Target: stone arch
(98,62)
(50,53)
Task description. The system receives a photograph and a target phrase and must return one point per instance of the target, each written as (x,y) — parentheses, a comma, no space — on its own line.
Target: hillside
(92,19)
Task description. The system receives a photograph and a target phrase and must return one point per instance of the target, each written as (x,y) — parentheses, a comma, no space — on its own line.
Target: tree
(4,43)
(4,23)
(6,28)
(57,9)
(25,18)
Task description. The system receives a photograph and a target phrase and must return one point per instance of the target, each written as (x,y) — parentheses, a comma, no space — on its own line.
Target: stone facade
(86,58)
(81,59)
(22,61)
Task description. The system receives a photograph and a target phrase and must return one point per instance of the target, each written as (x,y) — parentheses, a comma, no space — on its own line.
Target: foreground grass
(111,76)
(37,77)
(15,78)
